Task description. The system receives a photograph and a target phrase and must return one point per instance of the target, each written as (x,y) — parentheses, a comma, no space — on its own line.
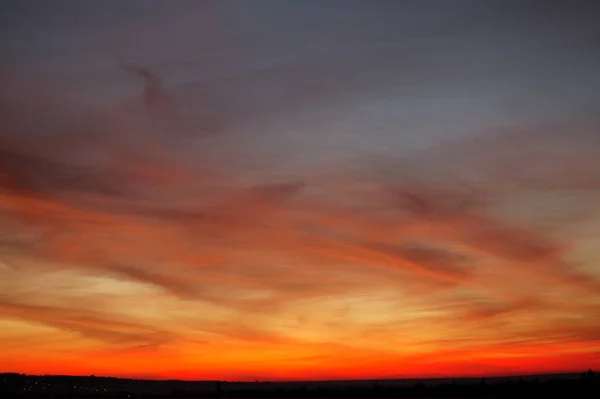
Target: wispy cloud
(86,323)
(127,229)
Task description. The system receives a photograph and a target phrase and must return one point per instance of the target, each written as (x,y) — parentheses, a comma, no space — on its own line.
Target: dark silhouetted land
(583,385)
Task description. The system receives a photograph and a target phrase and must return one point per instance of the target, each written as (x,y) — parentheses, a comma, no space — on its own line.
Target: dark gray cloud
(37,176)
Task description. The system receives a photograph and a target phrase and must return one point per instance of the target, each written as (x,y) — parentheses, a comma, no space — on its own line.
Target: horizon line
(466,377)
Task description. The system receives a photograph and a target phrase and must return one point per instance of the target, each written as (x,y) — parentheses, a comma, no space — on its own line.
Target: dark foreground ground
(584,385)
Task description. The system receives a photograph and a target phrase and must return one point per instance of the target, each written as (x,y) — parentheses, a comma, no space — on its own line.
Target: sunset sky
(310,189)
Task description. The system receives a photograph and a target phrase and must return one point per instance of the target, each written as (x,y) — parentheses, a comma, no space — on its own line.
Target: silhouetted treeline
(586,385)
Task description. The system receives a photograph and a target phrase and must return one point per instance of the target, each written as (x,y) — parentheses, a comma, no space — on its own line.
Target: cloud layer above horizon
(316,189)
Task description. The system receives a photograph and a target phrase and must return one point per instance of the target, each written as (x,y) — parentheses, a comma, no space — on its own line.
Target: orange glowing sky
(374,205)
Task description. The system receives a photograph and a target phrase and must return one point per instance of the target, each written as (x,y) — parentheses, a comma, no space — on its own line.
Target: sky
(284,190)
